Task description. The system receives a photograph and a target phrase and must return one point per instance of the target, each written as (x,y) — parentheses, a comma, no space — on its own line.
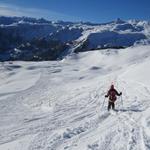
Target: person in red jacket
(112,94)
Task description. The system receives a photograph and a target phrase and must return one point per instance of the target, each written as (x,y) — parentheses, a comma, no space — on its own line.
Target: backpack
(112,95)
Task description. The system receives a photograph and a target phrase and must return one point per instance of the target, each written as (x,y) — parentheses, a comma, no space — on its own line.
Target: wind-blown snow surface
(58,105)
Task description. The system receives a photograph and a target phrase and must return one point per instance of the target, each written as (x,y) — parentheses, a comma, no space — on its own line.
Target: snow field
(59,105)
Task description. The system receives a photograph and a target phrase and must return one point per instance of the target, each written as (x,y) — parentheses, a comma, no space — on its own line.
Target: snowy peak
(119,21)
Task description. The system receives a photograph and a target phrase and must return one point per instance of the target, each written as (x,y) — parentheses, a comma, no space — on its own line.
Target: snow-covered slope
(59,105)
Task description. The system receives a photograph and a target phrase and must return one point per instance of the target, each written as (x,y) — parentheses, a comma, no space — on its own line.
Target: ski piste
(58,105)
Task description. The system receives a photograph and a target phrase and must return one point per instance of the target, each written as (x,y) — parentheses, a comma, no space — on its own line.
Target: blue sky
(78,10)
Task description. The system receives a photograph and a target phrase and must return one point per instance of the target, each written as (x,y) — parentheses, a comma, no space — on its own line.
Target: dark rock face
(113,39)
(28,40)
(109,39)
(36,50)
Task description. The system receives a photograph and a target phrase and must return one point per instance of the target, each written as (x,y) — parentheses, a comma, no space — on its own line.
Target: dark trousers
(111,105)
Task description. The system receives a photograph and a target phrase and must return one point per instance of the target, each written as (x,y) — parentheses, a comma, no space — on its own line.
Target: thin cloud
(12,10)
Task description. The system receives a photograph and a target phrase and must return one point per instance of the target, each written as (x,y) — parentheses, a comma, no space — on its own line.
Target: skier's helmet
(112,86)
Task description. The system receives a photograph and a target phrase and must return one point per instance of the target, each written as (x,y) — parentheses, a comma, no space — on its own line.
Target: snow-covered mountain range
(23,38)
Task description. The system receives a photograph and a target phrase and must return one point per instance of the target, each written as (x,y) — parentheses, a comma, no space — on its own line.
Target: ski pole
(119,104)
(122,101)
(103,102)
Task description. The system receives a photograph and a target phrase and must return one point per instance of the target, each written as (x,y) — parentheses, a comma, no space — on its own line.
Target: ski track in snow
(62,108)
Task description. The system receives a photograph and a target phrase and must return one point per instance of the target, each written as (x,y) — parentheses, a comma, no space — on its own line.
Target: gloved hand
(120,93)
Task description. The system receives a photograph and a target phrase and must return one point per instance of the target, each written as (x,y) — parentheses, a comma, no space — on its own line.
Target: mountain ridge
(25,38)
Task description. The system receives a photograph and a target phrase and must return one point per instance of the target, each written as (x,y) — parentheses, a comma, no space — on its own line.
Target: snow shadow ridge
(126,110)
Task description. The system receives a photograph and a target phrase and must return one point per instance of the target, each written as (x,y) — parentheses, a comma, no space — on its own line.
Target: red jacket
(112,94)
